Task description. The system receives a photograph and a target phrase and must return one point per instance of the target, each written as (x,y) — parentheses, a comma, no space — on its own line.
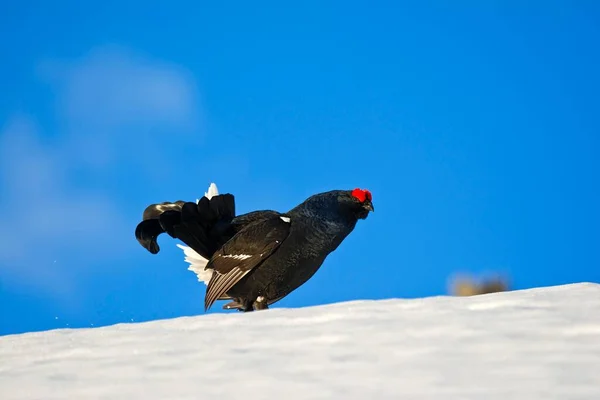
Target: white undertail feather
(197,264)
(196,261)
(212,191)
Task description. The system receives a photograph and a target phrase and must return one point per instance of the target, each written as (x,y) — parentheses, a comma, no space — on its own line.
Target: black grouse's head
(350,205)
(359,202)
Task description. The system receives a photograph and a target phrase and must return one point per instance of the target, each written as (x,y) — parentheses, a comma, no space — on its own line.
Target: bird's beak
(369,206)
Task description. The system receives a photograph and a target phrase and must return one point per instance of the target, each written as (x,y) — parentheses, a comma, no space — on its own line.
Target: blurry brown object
(468,286)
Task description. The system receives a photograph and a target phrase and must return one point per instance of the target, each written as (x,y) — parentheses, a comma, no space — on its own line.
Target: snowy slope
(534,344)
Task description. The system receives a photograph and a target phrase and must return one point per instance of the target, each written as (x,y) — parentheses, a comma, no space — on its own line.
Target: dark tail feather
(200,226)
(146,234)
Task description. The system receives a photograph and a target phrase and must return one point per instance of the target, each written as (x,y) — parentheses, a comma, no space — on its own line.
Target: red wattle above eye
(361,195)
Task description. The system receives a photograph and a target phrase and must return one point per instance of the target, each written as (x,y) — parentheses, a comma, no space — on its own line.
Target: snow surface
(533,344)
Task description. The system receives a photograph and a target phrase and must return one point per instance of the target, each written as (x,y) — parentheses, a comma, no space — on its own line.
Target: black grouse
(258,258)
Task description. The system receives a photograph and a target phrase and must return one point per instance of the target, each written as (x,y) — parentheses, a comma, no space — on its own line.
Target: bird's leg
(260,303)
(239,304)
(246,306)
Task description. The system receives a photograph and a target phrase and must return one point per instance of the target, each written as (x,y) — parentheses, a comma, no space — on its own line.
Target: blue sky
(476,128)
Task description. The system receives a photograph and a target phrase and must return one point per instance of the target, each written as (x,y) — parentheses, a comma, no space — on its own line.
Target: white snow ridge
(533,344)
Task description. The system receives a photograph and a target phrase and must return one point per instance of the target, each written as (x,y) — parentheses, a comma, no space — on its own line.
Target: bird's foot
(233,305)
(245,306)
(260,303)
(240,305)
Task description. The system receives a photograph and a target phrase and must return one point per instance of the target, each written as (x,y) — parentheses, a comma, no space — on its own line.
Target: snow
(541,343)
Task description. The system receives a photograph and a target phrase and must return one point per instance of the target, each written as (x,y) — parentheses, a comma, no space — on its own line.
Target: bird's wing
(243,252)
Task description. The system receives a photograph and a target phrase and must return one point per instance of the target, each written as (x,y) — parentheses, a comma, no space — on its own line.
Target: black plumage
(262,256)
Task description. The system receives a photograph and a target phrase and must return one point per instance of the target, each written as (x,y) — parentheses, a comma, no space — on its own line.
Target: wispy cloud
(123,104)
(113,110)
(113,87)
